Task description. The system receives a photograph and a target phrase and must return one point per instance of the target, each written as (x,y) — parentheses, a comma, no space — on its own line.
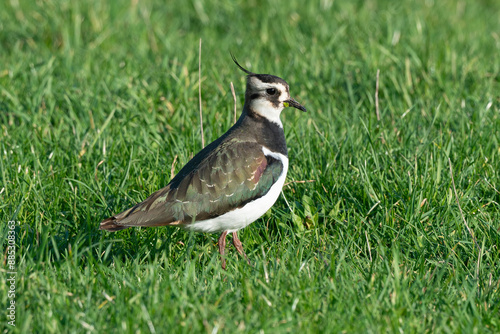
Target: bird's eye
(271,91)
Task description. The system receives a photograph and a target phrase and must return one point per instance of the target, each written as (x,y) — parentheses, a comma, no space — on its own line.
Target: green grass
(97,98)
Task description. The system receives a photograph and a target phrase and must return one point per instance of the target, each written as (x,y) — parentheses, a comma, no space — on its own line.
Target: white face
(269,102)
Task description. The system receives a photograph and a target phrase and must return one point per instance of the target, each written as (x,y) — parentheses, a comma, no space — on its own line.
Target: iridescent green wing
(230,176)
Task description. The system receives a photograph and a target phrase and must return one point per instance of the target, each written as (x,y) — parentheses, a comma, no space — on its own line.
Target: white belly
(239,218)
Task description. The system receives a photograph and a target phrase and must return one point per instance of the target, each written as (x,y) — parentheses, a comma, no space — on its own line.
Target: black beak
(295,104)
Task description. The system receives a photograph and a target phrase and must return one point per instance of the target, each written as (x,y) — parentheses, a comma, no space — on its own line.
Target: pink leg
(222,248)
(239,246)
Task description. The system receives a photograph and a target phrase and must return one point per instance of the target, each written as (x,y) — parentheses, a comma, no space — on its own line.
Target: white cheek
(266,109)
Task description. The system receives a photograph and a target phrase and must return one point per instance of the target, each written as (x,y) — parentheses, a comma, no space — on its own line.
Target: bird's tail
(109,224)
(112,223)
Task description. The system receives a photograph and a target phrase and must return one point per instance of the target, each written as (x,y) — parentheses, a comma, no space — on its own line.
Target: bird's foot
(239,247)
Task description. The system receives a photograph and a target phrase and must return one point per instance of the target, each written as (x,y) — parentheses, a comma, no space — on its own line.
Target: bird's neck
(265,132)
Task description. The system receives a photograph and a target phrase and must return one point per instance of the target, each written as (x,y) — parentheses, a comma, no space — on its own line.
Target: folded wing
(233,175)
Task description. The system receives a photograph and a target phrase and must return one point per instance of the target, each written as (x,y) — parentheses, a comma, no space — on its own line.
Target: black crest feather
(241,67)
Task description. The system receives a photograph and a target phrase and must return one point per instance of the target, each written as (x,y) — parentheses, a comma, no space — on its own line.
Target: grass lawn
(389,225)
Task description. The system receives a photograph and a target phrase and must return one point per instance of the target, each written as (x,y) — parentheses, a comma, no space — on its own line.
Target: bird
(231,182)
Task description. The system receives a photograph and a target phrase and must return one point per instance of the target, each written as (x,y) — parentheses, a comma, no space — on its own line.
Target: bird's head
(267,95)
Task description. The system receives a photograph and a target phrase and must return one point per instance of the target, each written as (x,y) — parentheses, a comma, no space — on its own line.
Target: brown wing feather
(226,179)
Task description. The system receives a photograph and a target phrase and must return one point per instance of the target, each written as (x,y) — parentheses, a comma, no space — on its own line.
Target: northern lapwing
(231,182)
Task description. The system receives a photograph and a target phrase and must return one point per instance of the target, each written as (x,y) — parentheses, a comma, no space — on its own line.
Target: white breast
(239,218)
